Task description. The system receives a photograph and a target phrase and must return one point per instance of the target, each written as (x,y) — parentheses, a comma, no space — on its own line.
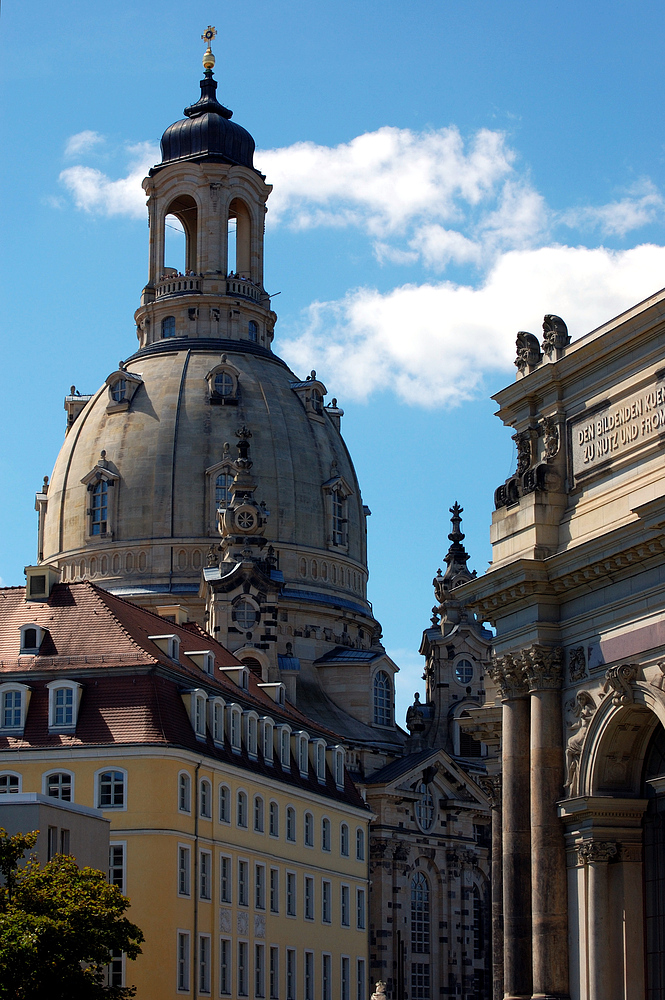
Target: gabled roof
(412,765)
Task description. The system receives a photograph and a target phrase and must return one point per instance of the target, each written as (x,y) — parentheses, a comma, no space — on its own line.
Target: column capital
(542,667)
(596,850)
(491,785)
(506,672)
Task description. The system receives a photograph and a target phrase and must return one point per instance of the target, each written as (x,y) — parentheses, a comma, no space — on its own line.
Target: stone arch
(250,655)
(617,739)
(186,210)
(239,211)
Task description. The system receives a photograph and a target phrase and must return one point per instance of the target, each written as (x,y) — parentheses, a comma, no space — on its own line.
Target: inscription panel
(617,429)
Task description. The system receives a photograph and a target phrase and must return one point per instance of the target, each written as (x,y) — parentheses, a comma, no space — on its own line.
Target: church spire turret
(456,559)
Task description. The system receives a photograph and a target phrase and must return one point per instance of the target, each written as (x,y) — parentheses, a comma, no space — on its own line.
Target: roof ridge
(99,592)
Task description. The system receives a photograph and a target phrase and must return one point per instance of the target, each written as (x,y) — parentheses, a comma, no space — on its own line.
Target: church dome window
(245,614)
(119,390)
(224,384)
(425,812)
(99,509)
(168,326)
(383,700)
(253,331)
(420,922)
(464,671)
(223,488)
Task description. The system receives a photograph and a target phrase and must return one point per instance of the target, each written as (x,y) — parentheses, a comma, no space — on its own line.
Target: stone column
(596,855)
(543,670)
(516,835)
(491,785)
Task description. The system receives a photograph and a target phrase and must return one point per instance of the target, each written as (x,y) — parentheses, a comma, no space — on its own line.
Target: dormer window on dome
(223,383)
(122,386)
(311,392)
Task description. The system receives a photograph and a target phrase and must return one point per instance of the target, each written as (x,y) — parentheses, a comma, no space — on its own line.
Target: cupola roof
(207,133)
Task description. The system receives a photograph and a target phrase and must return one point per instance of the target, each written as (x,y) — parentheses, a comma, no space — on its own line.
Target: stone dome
(161,453)
(207,134)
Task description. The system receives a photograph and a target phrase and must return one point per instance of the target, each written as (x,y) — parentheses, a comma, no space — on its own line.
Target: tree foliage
(59,925)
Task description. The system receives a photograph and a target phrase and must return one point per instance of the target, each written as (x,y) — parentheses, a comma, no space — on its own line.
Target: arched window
(383,699)
(10,783)
(325,834)
(99,509)
(223,488)
(253,331)
(252,734)
(168,326)
(344,840)
(360,844)
(425,811)
(274,819)
(119,390)
(258,814)
(291,824)
(321,762)
(239,213)
(339,518)
(224,804)
(309,830)
(205,799)
(111,790)
(241,815)
(478,929)
(317,401)
(420,916)
(184,792)
(58,785)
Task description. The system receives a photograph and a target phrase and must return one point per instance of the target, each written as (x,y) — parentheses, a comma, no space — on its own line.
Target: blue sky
(444,175)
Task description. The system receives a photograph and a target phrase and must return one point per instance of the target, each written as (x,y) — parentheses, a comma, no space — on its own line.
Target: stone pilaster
(491,785)
(543,672)
(596,855)
(516,836)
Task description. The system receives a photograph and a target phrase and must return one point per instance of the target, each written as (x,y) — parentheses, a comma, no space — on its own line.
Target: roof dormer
(311,392)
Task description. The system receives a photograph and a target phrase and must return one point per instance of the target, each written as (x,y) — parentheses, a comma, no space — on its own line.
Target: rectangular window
(64,841)
(326,902)
(361,988)
(117,865)
(290,974)
(225,877)
(204,963)
(243,887)
(11,710)
(115,971)
(345,908)
(183,961)
(111,790)
(326,977)
(360,909)
(291,894)
(345,978)
(274,973)
(205,875)
(225,967)
(420,981)
(259,887)
(274,819)
(259,970)
(63,714)
(184,867)
(243,952)
(309,898)
(274,890)
(224,804)
(309,975)
(52,842)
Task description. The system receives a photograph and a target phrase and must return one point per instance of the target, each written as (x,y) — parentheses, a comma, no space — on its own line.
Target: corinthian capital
(506,672)
(542,667)
(596,850)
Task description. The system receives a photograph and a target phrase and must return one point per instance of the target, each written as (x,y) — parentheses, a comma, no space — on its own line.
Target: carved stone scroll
(619,680)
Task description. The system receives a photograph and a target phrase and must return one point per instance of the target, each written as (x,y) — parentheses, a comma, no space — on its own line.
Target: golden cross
(209,34)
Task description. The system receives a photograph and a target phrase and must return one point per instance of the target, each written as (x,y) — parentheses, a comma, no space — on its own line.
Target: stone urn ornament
(379,992)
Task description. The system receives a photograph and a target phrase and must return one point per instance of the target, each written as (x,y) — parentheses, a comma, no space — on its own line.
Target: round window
(425,808)
(224,384)
(246,520)
(119,390)
(464,671)
(245,615)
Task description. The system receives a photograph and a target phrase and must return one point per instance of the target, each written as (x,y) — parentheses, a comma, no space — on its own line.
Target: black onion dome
(207,133)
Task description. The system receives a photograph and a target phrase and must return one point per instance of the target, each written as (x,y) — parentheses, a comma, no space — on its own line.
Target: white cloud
(82,142)
(643,204)
(433,344)
(94,192)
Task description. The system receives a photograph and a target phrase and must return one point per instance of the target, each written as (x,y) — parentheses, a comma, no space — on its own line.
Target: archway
(185,210)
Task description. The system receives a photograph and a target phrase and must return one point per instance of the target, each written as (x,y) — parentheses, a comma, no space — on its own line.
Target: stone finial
(415,717)
(379,991)
(555,334)
(529,354)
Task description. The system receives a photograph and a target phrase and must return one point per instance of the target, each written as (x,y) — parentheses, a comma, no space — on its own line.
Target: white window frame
(273,972)
(243,992)
(360,844)
(301,755)
(184,851)
(326,901)
(241,792)
(273,819)
(338,756)
(235,727)
(243,883)
(284,738)
(115,844)
(183,936)
(345,905)
(259,969)
(205,875)
(195,702)
(64,685)
(319,755)
(291,894)
(291,974)
(225,885)
(309,977)
(224,817)
(205,798)
(229,966)
(58,770)
(291,827)
(326,976)
(188,792)
(203,971)
(267,740)
(274,890)
(361,909)
(258,815)
(31,650)
(344,840)
(326,834)
(361,979)
(98,789)
(12,774)
(345,977)
(309,905)
(25,692)
(259,886)
(251,733)
(308,829)
(216,723)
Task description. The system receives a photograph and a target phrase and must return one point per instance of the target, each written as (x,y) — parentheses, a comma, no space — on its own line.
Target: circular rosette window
(246,519)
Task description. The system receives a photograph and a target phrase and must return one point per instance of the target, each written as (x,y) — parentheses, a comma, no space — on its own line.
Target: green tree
(59,925)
